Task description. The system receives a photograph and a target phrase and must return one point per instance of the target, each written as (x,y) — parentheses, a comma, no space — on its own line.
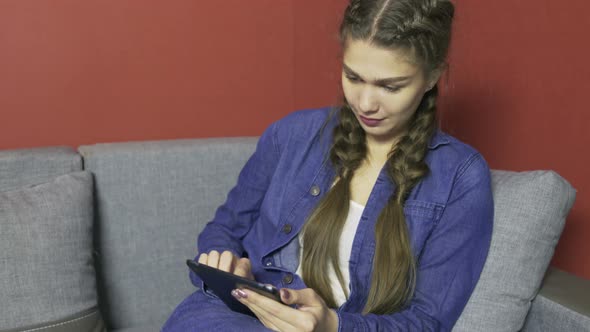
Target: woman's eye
(392,88)
(353,79)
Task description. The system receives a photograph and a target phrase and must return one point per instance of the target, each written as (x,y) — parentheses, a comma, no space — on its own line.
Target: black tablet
(222,283)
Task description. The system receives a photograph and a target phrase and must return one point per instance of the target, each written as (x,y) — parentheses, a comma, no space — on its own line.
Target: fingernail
(234,293)
(241,293)
(285,294)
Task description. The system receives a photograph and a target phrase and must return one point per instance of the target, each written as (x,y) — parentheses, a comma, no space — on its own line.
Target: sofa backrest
(152,199)
(46,272)
(25,167)
(530,209)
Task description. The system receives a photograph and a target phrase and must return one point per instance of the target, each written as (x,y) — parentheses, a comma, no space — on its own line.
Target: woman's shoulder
(443,139)
(307,119)
(452,164)
(448,154)
(305,124)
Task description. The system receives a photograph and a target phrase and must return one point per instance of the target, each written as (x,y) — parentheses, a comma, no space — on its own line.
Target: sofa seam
(62,323)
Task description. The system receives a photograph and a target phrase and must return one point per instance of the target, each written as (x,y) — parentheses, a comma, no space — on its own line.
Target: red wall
(519,71)
(80,72)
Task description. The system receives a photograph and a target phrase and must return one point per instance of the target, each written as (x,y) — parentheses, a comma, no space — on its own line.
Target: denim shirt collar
(439,138)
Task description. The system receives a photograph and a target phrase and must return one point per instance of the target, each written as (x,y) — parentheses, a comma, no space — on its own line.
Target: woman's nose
(367,99)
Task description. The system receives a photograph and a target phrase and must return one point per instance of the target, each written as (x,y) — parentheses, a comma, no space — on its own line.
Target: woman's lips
(370,122)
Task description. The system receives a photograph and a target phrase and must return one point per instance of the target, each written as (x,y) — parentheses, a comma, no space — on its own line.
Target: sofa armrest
(563,304)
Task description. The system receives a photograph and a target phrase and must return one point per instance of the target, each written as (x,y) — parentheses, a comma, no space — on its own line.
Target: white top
(345,247)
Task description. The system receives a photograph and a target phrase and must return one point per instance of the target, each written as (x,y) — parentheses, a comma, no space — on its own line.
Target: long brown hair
(422,27)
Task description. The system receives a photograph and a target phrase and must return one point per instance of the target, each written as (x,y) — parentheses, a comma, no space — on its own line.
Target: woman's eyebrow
(381,81)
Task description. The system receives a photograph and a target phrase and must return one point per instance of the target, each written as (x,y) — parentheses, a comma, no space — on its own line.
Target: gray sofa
(101,235)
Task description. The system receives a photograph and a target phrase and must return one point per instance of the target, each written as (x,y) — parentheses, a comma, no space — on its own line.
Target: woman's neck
(378,151)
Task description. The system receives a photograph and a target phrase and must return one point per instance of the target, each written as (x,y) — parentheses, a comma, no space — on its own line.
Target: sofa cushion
(153,199)
(151,328)
(530,212)
(24,167)
(87,321)
(563,304)
(548,315)
(47,271)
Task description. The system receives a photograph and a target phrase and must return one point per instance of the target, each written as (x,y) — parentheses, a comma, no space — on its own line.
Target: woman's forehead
(373,62)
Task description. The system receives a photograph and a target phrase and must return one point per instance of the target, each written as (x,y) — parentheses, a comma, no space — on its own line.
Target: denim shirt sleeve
(451,262)
(236,216)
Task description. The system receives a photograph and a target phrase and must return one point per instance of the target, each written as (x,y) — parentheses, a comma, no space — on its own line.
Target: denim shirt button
(287,279)
(287,228)
(269,263)
(315,190)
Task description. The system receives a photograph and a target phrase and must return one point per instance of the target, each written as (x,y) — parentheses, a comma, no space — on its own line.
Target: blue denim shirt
(449,217)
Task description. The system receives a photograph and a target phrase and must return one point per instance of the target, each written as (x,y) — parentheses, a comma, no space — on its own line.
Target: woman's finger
(226,261)
(203,258)
(270,321)
(262,317)
(244,269)
(213,259)
(303,297)
(271,313)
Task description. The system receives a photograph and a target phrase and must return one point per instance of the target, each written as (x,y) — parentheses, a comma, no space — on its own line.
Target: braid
(325,225)
(349,147)
(406,167)
(422,26)
(406,164)
(423,29)
(353,12)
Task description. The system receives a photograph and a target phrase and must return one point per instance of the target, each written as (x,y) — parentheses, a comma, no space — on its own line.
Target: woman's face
(383,89)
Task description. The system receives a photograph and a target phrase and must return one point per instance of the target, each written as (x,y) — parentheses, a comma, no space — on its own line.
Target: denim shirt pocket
(421,218)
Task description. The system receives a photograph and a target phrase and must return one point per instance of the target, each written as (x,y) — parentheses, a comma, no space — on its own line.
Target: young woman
(366,216)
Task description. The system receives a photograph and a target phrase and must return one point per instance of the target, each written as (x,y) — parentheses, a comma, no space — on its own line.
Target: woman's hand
(228,262)
(311,314)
